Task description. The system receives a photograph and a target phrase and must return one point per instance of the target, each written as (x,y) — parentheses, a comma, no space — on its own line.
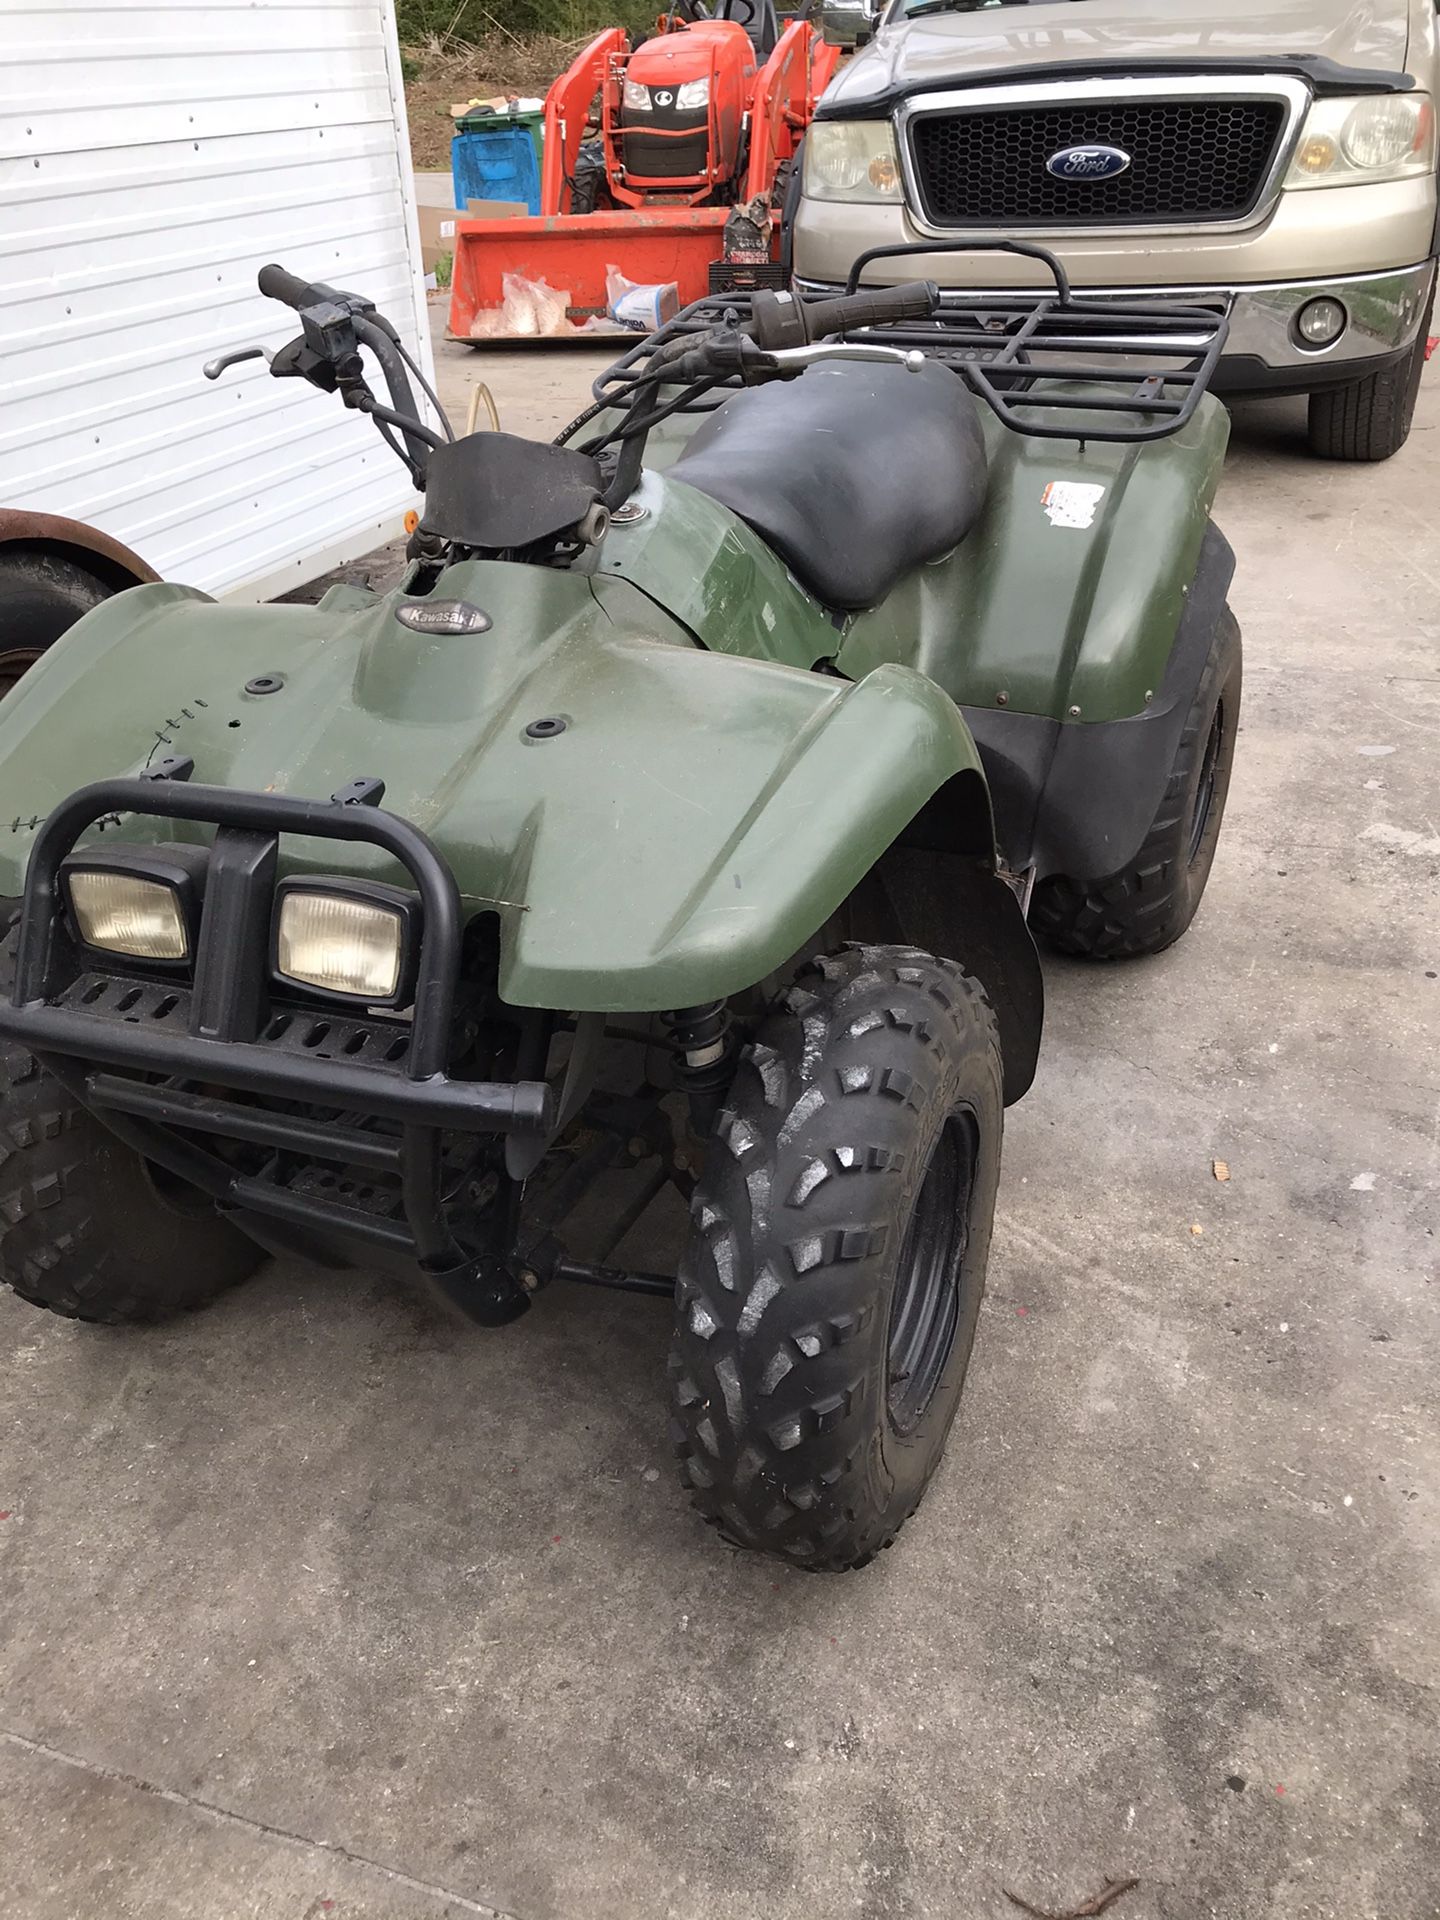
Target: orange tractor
(663,161)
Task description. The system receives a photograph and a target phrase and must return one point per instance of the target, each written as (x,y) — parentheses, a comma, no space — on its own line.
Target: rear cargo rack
(1054,366)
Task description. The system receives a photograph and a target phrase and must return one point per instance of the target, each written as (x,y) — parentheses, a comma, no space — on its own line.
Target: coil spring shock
(704,1057)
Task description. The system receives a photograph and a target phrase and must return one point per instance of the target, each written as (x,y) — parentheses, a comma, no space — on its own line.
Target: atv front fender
(715,896)
(682,825)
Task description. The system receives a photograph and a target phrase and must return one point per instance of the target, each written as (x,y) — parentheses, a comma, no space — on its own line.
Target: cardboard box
(437,234)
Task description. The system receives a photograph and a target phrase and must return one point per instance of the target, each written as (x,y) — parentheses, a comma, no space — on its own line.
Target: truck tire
(1147,907)
(1369,419)
(84,1229)
(832,1278)
(42,595)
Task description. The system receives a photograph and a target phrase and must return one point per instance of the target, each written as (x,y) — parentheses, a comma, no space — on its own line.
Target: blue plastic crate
(498,163)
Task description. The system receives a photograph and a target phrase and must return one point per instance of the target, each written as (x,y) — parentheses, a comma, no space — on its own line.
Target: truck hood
(1006,43)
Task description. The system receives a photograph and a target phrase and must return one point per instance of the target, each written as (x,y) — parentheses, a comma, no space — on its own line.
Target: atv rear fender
(684,824)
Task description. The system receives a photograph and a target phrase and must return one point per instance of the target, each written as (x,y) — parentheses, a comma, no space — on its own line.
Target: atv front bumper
(207,1052)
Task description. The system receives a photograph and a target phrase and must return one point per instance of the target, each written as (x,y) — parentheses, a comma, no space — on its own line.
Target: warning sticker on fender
(1071,503)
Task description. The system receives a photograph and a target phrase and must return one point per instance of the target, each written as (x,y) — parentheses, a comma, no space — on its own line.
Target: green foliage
(444,270)
(489,19)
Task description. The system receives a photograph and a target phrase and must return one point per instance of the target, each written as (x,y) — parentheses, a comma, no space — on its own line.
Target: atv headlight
(637,96)
(142,902)
(694,93)
(1385,136)
(851,160)
(346,937)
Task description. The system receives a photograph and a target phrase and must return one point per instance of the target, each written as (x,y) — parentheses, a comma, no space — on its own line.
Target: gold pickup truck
(1274,157)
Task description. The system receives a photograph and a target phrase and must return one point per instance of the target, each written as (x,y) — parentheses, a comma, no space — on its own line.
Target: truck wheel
(830,1285)
(1369,419)
(86,1227)
(42,595)
(1147,907)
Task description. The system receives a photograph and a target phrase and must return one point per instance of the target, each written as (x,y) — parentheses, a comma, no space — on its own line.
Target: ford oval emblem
(1088,163)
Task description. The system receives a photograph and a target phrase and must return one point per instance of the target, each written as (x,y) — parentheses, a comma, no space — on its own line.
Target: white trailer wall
(152,159)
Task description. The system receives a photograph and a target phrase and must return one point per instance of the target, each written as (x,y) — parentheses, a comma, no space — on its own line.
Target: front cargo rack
(1054,366)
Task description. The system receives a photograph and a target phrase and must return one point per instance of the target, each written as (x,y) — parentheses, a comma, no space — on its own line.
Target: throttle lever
(214,368)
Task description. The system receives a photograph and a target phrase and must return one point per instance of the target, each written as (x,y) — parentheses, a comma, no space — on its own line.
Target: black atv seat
(856,473)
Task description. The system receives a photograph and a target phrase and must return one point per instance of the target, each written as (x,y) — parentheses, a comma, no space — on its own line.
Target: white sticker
(1071,503)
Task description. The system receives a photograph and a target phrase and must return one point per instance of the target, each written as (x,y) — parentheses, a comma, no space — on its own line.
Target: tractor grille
(1190,160)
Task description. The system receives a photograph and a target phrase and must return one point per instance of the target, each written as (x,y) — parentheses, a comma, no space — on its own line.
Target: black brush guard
(385,1101)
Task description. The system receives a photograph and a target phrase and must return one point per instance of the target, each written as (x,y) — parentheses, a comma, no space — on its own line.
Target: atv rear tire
(1369,419)
(84,1230)
(1147,907)
(830,1287)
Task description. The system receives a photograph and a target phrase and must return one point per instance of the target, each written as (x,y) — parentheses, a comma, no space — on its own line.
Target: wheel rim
(14,662)
(925,1309)
(1205,792)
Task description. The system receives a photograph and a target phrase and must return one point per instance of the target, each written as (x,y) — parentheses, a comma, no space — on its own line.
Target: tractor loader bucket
(571,252)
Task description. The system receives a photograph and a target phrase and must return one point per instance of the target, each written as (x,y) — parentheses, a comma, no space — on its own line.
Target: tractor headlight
(140,902)
(1385,136)
(346,937)
(693,93)
(637,96)
(851,160)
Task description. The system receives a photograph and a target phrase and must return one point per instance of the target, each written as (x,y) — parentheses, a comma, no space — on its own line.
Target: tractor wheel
(590,189)
(42,595)
(840,1229)
(87,1228)
(1147,907)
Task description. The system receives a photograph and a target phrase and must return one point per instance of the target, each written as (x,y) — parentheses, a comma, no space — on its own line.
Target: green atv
(678,818)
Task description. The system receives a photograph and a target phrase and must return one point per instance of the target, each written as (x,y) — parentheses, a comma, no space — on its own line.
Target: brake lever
(798,358)
(214,368)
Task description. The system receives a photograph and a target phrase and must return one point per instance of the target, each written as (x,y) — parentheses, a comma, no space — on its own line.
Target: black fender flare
(937,888)
(1078,798)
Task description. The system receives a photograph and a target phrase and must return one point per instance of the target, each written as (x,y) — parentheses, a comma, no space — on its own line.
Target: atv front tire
(829,1291)
(1147,907)
(85,1228)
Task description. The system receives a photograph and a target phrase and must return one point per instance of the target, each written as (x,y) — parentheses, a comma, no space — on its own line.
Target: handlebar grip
(871,307)
(276,284)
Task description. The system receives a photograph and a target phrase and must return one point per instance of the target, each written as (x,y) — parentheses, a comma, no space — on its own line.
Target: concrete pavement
(314,1604)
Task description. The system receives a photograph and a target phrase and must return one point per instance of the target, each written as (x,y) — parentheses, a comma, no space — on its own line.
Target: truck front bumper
(1265,351)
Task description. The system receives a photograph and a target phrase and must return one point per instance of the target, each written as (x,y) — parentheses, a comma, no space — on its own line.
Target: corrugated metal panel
(152,159)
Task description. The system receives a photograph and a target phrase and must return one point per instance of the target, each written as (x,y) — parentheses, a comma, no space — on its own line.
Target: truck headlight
(346,937)
(694,93)
(141,902)
(1346,142)
(852,160)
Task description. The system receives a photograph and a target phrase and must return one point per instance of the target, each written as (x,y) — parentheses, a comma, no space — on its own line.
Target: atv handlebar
(291,291)
(336,325)
(779,320)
